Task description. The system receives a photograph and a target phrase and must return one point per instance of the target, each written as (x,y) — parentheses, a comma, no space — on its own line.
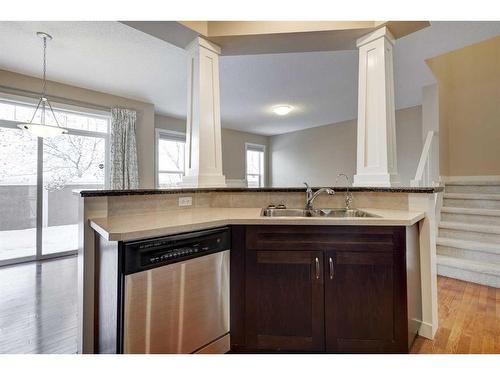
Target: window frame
(12,124)
(174,136)
(261,148)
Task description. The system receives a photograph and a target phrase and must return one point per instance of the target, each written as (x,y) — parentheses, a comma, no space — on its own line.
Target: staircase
(468,243)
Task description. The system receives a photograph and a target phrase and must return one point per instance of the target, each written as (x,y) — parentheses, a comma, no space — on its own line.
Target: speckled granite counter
(109,193)
(133,227)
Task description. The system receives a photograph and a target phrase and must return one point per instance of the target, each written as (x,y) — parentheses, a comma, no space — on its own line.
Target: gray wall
(233,152)
(233,145)
(170,123)
(318,154)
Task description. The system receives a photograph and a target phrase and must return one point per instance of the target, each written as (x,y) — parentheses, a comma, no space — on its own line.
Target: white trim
(458,179)
(32,258)
(374,35)
(256,147)
(158,135)
(423,163)
(202,42)
(426,330)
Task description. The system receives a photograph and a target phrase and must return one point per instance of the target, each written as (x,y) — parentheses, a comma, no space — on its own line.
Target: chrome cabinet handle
(317,268)
(330,263)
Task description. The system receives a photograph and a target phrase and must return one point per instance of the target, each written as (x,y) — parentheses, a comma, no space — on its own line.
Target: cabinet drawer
(339,238)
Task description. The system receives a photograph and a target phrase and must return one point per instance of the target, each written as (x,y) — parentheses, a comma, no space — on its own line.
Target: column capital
(383,32)
(201,42)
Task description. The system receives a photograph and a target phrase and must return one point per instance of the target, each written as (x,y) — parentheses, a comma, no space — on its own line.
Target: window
(170,148)
(255,171)
(38,176)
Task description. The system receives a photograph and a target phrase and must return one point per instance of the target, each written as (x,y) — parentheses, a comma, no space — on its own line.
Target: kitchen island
(126,217)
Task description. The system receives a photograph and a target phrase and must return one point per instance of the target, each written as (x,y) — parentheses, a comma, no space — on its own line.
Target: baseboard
(452,179)
(426,330)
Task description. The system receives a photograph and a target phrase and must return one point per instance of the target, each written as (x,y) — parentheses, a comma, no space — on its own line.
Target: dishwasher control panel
(147,254)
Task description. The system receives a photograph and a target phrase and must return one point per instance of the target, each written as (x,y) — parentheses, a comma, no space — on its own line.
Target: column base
(376,180)
(204,181)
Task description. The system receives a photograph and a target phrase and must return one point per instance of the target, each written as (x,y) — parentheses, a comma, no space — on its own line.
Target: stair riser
(471,276)
(485,189)
(470,236)
(472,203)
(470,254)
(471,219)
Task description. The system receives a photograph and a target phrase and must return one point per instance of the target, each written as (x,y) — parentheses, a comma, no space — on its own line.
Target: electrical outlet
(185,201)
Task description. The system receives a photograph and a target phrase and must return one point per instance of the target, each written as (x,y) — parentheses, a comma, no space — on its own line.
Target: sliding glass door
(18,195)
(38,178)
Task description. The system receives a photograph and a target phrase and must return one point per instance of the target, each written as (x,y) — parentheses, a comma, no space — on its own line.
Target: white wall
(317,155)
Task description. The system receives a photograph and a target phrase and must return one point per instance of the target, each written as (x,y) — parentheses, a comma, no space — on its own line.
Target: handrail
(424,157)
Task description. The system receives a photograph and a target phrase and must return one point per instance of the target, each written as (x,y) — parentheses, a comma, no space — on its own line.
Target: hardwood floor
(469,319)
(38,312)
(38,307)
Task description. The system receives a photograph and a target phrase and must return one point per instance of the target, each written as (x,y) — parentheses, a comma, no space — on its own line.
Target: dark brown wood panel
(284,301)
(359,302)
(339,238)
(365,302)
(237,288)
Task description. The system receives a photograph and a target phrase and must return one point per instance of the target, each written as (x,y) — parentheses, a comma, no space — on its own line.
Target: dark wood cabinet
(361,302)
(335,289)
(284,299)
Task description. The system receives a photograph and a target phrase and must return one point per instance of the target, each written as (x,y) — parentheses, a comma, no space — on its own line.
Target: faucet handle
(307,185)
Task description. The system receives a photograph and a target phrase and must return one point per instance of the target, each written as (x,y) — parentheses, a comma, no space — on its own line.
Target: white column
(428,265)
(203,129)
(376,148)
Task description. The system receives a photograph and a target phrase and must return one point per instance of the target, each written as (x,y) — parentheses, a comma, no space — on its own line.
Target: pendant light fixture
(42,129)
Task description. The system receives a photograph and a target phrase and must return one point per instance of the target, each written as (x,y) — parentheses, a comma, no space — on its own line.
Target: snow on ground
(20,243)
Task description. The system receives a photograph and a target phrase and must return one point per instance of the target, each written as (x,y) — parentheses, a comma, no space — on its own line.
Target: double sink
(315,212)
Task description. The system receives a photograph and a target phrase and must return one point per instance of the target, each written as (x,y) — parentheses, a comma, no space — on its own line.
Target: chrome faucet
(310,196)
(348,195)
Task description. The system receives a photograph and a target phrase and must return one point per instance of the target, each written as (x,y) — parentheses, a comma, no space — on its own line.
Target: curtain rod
(58,99)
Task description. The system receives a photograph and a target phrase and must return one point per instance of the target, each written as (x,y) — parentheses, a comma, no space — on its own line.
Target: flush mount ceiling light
(41,129)
(282,110)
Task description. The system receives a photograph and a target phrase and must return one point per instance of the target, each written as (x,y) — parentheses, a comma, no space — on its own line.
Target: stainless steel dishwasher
(176,294)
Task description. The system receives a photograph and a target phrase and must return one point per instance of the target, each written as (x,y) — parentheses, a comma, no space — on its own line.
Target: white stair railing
(424,175)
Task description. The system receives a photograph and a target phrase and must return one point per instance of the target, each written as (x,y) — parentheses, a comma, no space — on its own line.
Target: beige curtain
(123,150)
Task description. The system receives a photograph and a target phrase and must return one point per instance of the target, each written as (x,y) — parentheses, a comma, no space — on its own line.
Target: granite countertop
(401,189)
(133,227)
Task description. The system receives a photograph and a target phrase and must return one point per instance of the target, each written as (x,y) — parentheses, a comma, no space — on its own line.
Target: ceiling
(118,59)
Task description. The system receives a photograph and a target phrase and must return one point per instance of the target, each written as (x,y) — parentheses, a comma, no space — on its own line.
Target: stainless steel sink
(316,212)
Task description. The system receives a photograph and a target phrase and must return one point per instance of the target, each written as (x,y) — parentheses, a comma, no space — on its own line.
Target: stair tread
(468,245)
(482,228)
(473,196)
(471,211)
(469,265)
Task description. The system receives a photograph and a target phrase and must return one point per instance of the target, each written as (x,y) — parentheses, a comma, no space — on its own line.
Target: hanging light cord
(44,66)
(43,100)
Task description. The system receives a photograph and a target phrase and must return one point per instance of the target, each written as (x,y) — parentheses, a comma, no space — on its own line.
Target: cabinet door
(362,302)
(284,301)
